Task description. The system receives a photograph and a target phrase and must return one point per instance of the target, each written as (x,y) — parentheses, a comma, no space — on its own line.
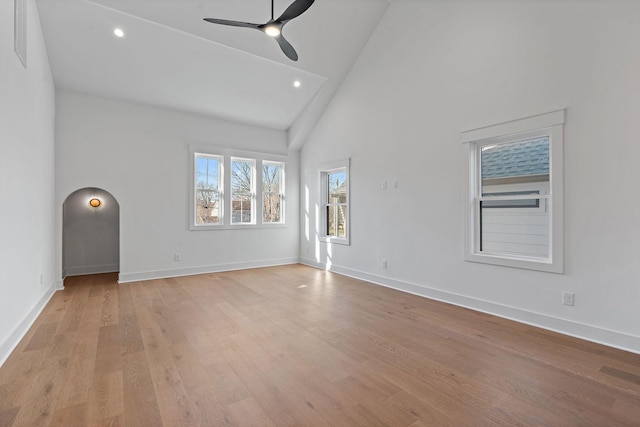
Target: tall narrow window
(514,212)
(272,192)
(208,189)
(335,198)
(242,191)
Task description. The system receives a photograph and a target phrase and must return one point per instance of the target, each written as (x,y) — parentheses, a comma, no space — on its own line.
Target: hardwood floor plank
(296,346)
(109,308)
(41,394)
(225,382)
(248,413)
(8,416)
(173,403)
(73,314)
(106,399)
(115,421)
(43,338)
(71,416)
(140,402)
(13,381)
(209,408)
(260,387)
(619,373)
(108,352)
(91,319)
(75,389)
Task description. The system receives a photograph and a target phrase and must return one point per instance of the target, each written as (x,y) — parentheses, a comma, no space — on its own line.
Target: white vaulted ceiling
(170,57)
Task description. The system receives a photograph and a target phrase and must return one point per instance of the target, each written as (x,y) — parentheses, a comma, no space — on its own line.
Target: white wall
(140,155)
(26,179)
(433,69)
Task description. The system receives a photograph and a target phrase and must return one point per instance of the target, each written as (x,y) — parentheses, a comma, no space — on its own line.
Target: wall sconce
(94,203)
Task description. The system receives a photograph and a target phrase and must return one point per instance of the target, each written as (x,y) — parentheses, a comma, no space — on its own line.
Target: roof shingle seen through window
(522,158)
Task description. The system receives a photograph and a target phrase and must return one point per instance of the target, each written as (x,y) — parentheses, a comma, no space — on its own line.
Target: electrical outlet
(395,184)
(383,264)
(568,298)
(383,185)
(177,257)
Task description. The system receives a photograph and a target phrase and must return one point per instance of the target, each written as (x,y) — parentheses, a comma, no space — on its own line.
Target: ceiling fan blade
(232,23)
(294,10)
(287,48)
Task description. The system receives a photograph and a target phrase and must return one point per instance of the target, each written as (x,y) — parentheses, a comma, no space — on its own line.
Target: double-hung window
(272,192)
(208,189)
(334,180)
(243,189)
(513,193)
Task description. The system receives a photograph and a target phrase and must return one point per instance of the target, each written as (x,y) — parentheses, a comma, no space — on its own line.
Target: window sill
(526,263)
(235,227)
(336,240)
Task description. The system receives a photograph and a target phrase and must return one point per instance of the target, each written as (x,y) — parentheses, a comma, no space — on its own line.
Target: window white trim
(225,155)
(324,170)
(550,124)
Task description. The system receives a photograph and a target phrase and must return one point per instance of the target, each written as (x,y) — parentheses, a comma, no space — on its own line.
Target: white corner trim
(191,271)
(583,331)
(22,328)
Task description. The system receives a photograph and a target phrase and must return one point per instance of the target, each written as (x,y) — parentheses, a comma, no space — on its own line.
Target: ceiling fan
(273,27)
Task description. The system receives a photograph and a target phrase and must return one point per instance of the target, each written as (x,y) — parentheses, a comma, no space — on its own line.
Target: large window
(242,191)
(513,209)
(208,189)
(272,192)
(335,202)
(236,189)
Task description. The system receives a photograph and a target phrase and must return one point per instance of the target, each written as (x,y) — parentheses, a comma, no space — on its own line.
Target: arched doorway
(90,233)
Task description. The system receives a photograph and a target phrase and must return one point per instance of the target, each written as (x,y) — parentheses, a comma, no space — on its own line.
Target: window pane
(271,192)
(342,221)
(519,162)
(517,231)
(271,204)
(337,182)
(241,191)
(336,220)
(207,190)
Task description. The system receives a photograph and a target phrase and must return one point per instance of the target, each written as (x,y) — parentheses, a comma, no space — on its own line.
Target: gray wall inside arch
(90,235)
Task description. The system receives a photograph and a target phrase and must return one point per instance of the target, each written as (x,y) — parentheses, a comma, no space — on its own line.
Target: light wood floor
(295,346)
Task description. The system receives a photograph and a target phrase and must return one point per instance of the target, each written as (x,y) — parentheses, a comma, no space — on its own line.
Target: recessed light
(118,32)
(297,83)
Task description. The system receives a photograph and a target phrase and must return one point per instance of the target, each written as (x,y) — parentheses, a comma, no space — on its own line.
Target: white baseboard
(91,269)
(190,271)
(567,327)
(21,330)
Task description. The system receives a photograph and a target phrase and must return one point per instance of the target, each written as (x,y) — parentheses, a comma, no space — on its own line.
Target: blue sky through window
(207,172)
